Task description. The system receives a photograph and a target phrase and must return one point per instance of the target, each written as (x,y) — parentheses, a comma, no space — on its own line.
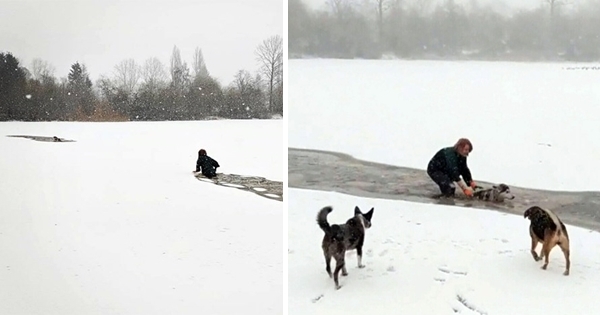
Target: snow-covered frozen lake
(115,223)
(533,125)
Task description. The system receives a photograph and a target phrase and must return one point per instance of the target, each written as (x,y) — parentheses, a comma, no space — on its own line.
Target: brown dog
(548,229)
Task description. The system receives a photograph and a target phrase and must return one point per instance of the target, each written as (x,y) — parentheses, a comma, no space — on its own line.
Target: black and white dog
(498,193)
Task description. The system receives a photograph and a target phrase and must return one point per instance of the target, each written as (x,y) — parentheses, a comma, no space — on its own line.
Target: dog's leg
(548,245)
(339,265)
(534,243)
(359,256)
(328,263)
(545,255)
(564,246)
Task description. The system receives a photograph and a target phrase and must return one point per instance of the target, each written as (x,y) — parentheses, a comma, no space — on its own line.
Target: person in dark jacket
(448,165)
(207,164)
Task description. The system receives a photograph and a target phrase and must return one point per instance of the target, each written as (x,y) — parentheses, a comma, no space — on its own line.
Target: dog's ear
(495,187)
(357,210)
(369,214)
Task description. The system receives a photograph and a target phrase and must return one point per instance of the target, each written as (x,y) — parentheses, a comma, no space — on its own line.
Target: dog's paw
(544,267)
(337,287)
(361,266)
(566,273)
(345,274)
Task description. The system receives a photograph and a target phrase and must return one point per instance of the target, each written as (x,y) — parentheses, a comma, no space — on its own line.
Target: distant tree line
(429,29)
(150,91)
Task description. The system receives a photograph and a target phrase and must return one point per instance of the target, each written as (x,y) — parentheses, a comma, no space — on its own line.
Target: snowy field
(115,223)
(432,259)
(532,124)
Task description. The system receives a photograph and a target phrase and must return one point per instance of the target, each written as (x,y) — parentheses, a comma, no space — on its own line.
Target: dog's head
(532,212)
(364,217)
(503,190)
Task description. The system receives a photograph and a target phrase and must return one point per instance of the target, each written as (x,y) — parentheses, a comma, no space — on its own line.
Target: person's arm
(465,171)
(215,163)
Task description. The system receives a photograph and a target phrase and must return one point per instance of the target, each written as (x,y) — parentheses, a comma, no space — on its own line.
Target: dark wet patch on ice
(42,138)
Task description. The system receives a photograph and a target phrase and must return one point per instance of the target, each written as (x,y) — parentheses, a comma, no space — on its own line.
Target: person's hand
(473,184)
(468,192)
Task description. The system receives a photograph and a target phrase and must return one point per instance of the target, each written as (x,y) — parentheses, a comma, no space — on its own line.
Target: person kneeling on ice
(448,165)
(207,164)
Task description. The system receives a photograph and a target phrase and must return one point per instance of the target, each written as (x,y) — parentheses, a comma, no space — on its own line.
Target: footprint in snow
(388,241)
(450,271)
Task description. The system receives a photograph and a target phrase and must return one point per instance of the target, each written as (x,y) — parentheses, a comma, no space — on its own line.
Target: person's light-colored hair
(462,142)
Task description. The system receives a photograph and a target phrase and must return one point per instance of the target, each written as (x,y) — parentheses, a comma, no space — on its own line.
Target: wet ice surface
(42,138)
(331,171)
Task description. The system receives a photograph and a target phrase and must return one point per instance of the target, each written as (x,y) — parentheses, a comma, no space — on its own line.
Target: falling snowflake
(28,96)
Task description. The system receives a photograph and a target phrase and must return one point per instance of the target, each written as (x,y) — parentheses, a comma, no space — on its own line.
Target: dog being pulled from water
(498,193)
(340,238)
(548,229)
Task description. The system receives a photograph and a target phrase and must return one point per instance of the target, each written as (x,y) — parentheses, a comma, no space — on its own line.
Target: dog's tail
(322,219)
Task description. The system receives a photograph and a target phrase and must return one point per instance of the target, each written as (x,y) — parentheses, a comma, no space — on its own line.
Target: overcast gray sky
(101,33)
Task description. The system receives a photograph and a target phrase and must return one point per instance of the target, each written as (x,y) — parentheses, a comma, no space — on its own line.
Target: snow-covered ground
(426,259)
(532,124)
(115,223)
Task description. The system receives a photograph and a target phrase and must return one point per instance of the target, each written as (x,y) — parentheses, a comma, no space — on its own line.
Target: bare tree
(553,27)
(340,8)
(175,63)
(555,4)
(242,81)
(270,56)
(199,66)
(248,100)
(154,72)
(422,7)
(380,9)
(179,71)
(127,75)
(41,70)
